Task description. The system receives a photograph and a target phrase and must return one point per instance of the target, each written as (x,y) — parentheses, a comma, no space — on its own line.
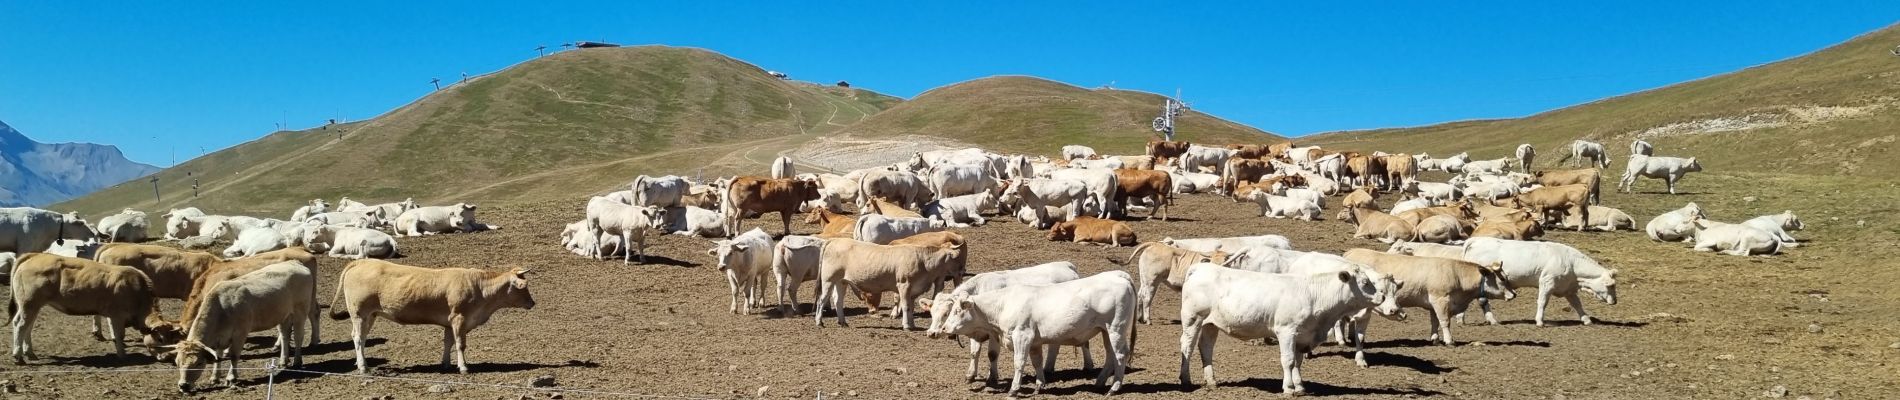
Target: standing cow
(1668,169)
(1582,150)
(457,299)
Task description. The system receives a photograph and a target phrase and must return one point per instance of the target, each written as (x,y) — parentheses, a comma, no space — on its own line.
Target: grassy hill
(1829,112)
(1038,116)
(600,116)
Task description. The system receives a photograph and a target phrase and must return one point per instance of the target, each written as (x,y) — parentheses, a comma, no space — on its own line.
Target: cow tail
(1136,256)
(857,226)
(147,305)
(337,311)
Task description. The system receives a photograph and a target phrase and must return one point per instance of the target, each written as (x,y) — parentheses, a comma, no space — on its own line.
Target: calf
(627,223)
(76,286)
(1674,226)
(1032,276)
(745,260)
(1668,169)
(1584,151)
(1554,268)
(1160,263)
(834,223)
(763,195)
(275,296)
(1031,318)
(1094,230)
(1372,224)
(908,270)
(1295,310)
(1778,225)
(1444,286)
(456,299)
(223,271)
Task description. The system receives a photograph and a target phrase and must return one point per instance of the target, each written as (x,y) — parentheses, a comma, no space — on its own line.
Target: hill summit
(38,174)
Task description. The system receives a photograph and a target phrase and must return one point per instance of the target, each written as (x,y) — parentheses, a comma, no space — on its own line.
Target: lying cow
(1778,225)
(456,299)
(1372,224)
(961,211)
(882,230)
(351,242)
(1093,230)
(1428,250)
(1734,239)
(459,217)
(127,226)
(1675,226)
(694,221)
(1604,219)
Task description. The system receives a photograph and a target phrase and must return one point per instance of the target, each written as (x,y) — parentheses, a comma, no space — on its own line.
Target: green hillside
(1038,116)
(584,111)
(1833,111)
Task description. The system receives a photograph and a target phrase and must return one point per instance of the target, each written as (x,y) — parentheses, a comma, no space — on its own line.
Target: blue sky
(163,78)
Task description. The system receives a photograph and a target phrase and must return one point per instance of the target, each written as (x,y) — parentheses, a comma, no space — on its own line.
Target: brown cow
(1251,151)
(1572,198)
(77,286)
(785,196)
(1362,197)
(835,223)
(456,299)
(1399,169)
(226,270)
(1240,171)
(1364,170)
(1374,224)
(1518,225)
(957,265)
(909,270)
(1588,176)
(1166,150)
(1155,186)
(1278,150)
(1456,209)
(1093,230)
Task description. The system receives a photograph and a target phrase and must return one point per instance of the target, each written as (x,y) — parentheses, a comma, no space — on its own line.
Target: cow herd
(893,229)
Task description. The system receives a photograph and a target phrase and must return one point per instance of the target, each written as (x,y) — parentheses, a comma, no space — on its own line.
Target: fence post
(270,380)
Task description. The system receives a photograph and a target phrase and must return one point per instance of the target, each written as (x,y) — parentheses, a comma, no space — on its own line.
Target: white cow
(459,217)
(357,219)
(1198,156)
(1271,260)
(1554,268)
(1323,185)
(1581,150)
(256,240)
(1331,166)
(745,259)
(316,206)
(694,221)
(948,181)
(1037,195)
(1303,209)
(345,203)
(1295,310)
(1668,169)
(795,260)
(128,226)
(1734,239)
(1036,275)
(1019,167)
(350,242)
(1106,163)
(901,187)
(659,191)
(625,222)
(1778,225)
(1639,147)
(1193,182)
(81,248)
(26,229)
(1229,244)
(1034,318)
(1101,186)
(1495,167)
(1077,152)
(388,212)
(1428,250)
(782,168)
(1455,163)
(879,229)
(1410,204)
(1602,218)
(1675,226)
(178,224)
(1437,192)
(961,211)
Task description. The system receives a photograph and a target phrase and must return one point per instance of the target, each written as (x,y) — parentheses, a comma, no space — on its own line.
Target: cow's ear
(1345,276)
(740,247)
(715,250)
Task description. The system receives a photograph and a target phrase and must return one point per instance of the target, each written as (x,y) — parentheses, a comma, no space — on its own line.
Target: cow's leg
(1358,333)
(1146,295)
(1543,299)
(1020,352)
(115,330)
(1485,304)
(234,352)
(1671,181)
(818,303)
(1576,303)
(1441,320)
(975,348)
(1290,357)
(1088,359)
(785,220)
(732,282)
(359,328)
(461,343)
(98,328)
(1190,336)
(315,315)
(1047,362)
(284,343)
(904,300)
(23,333)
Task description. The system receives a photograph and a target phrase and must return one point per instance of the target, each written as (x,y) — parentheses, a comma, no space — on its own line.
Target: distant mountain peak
(38,174)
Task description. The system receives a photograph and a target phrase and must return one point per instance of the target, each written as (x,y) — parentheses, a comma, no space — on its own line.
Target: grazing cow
(763,195)
(1152,187)
(128,226)
(745,260)
(255,240)
(76,286)
(439,219)
(961,211)
(1639,147)
(24,229)
(782,168)
(279,295)
(1675,226)
(1077,152)
(795,261)
(1555,269)
(1093,230)
(661,191)
(1498,166)
(1778,225)
(1166,150)
(1295,310)
(177,224)
(608,220)
(1441,229)
(882,230)
(1035,319)
(316,206)
(1159,263)
(1581,150)
(1590,177)
(1101,186)
(1668,169)
(1372,224)
(901,187)
(1604,219)
(1304,209)
(909,270)
(351,242)
(1031,276)
(457,299)
(1428,250)
(1517,225)
(1734,239)
(694,221)
(1362,197)
(1442,285)
(1575,199)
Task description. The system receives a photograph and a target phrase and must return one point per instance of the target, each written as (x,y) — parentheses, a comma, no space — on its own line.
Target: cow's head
(1064,230)
(728,252)
(1692,165)
(513,290)
(1604,287)
(191,356)
(318,236)
(962,315)
(410,204)
(1493,284)
(1693,211)
(1379,289)
(940,306)
(1791,222)
(464,215)
(71,226)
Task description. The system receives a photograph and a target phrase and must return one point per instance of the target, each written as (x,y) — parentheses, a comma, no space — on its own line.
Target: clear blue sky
(151,76)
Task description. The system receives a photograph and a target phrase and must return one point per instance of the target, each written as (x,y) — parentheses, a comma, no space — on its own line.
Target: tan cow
(77,286)
(1487,210)
(1374,224)
(456,299)
(1591,177)
(1155,186)
(834,223)
(1519,225)
(1573,198)
(1166,150)
(1362,197)
(1137,162)
(881,207)
(172,270)
(1240,171)
(1444,286)
(1160,263)
(1456,209)
(1365,170)
(785,196)
(909,270)
(1251,151)
(1093,230)
(273,296)
(227,270)
(1400,169)
(954,271)
(1442,229)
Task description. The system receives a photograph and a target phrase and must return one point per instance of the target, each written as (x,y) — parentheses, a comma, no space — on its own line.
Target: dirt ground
(1818,321)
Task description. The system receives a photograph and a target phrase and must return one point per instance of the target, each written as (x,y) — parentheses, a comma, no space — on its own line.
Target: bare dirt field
(1818,321)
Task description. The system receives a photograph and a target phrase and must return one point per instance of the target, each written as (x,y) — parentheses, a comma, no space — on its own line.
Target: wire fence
(271,370)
